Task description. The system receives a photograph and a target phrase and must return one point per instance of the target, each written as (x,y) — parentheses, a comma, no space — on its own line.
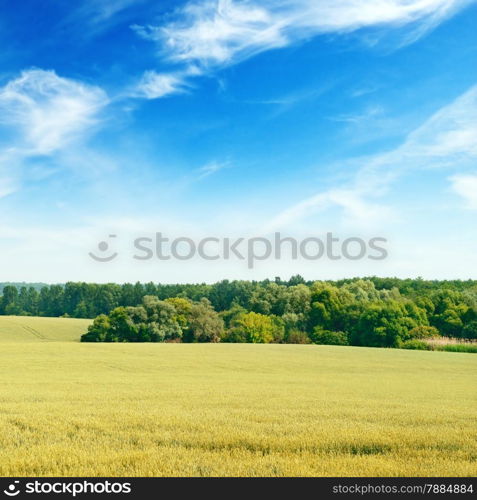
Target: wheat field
(34,329)
(72,409)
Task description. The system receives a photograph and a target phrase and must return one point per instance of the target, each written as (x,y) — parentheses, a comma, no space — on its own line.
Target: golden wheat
(70,409)
(34,329)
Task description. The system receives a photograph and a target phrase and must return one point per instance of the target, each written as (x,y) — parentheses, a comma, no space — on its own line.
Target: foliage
(470,330)
(297,337)
(257,328)
(203,323)
(423,332)
(153,321)
(383,324)
(416,344)
(377,312)
(321,336)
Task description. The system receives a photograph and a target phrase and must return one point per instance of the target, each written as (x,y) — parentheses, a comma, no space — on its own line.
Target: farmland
(33,329)
(71,409)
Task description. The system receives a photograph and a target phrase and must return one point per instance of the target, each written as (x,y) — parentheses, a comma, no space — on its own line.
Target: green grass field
(74,409)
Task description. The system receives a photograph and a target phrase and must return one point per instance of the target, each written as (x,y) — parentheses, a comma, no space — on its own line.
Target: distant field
(29,329)
(226,410)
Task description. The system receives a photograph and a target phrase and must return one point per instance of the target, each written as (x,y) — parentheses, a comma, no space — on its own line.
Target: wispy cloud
(48,111)
(207,35)
(365,89)
(214,33)
(446,139)
(212,168)
(451,132)
(154,85)
(102,10)
(466,187)
(7,185)
(94,17)
(357,210)
(369,113)
(282,104)
(43,114)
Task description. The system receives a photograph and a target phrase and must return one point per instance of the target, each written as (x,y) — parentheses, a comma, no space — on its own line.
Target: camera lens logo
(103,246)
(12,490)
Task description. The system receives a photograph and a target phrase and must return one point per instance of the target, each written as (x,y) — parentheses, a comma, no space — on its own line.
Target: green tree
(270,299)
(183,308)
(470,331)
(205,324)
(254,328)
(382,324)
(230,315)
(326,309)
(165,318)
(99,331)
(9,302)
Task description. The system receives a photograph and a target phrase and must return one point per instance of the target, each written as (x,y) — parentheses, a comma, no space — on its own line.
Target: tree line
(380,312)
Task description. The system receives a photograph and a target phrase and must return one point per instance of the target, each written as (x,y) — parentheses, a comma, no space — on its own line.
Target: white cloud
(98,11)
(216,32)
(210,34)
(451,131)
(466,187)
(42,114)
(6,186)
(370,113)
(446,139)
(222,32)
(357,210)
(49,111)
(155,85)
(89,18)
(212,168)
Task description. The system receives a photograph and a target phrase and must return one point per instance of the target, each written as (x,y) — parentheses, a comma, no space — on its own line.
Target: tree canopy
(381,312)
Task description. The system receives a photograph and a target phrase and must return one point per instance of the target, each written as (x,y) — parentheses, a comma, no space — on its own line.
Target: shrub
(297,337)
(321,336)
(416,344)
(235,335)
(423,332)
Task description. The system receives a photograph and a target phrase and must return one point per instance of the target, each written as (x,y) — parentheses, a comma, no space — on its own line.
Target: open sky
(237,118)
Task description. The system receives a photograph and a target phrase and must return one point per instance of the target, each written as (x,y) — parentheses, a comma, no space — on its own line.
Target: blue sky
(237,118)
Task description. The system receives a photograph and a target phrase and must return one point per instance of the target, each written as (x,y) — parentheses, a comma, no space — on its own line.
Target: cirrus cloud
(214,33)
(42,114)
(447,139)
(48,111)
(466,187)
